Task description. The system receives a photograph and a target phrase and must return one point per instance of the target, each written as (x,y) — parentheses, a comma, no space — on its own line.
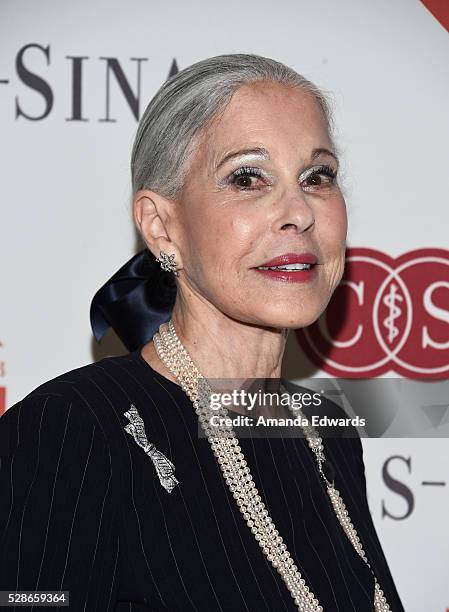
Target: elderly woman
(107,490)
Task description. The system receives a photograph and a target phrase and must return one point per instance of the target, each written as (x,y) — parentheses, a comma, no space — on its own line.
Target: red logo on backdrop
(440,10)
(386,315)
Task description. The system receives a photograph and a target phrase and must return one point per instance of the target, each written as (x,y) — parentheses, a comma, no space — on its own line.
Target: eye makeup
(324,169)
(254,172)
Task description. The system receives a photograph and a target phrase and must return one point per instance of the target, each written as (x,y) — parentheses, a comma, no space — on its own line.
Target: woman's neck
(222,347)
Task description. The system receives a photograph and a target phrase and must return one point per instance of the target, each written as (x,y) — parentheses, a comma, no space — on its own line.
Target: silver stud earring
(167,262)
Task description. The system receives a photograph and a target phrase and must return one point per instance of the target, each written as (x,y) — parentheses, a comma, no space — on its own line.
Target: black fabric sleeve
(58,515)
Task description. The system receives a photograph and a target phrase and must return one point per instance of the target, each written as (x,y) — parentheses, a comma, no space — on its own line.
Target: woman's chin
(286,320)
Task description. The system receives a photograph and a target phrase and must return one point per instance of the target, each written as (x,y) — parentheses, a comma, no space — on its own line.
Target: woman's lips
(291,258)
(290,276)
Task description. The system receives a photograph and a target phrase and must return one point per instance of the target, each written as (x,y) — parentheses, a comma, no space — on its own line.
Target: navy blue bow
(134,301)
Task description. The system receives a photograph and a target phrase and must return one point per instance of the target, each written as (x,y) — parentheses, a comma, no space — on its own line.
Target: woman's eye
(320,178)
(245,178)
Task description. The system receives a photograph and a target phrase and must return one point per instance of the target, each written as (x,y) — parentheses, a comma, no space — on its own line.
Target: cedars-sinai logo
(386,315)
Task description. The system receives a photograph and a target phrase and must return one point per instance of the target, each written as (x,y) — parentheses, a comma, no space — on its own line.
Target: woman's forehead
(252,123)
(269,145)
(273,103)
(261,119)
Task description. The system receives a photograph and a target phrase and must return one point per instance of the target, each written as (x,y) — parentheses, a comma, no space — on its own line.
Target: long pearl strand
(237,474)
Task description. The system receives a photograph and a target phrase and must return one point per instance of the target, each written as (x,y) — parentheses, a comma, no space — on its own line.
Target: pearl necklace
(237,474)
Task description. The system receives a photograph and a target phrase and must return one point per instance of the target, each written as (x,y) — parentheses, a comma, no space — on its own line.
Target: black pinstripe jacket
(82,508)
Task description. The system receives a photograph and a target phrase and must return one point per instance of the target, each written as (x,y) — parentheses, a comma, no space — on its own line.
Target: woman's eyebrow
(323,151)
(264,154)
(255,151)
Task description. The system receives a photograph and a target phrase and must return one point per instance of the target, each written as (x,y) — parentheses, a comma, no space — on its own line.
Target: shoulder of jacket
(66,382)
(68,392)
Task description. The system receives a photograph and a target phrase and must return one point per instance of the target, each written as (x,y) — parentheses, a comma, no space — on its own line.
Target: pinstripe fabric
(81,507)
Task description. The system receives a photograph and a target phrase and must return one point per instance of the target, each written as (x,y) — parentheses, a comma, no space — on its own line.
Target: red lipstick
(291,258)
(290,267)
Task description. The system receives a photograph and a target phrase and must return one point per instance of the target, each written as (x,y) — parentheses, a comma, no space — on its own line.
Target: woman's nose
(297,213)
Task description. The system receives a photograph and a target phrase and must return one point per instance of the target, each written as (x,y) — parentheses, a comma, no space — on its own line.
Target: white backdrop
(65,185)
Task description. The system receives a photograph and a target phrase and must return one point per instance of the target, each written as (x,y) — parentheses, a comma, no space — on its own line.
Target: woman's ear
(150,212)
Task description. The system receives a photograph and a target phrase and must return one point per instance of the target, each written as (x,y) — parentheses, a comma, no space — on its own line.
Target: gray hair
(187,102)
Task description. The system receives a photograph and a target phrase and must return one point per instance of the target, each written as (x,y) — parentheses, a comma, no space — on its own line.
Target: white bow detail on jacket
(164,467)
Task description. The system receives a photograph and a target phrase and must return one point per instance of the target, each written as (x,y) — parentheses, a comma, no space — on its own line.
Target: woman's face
(239,213)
